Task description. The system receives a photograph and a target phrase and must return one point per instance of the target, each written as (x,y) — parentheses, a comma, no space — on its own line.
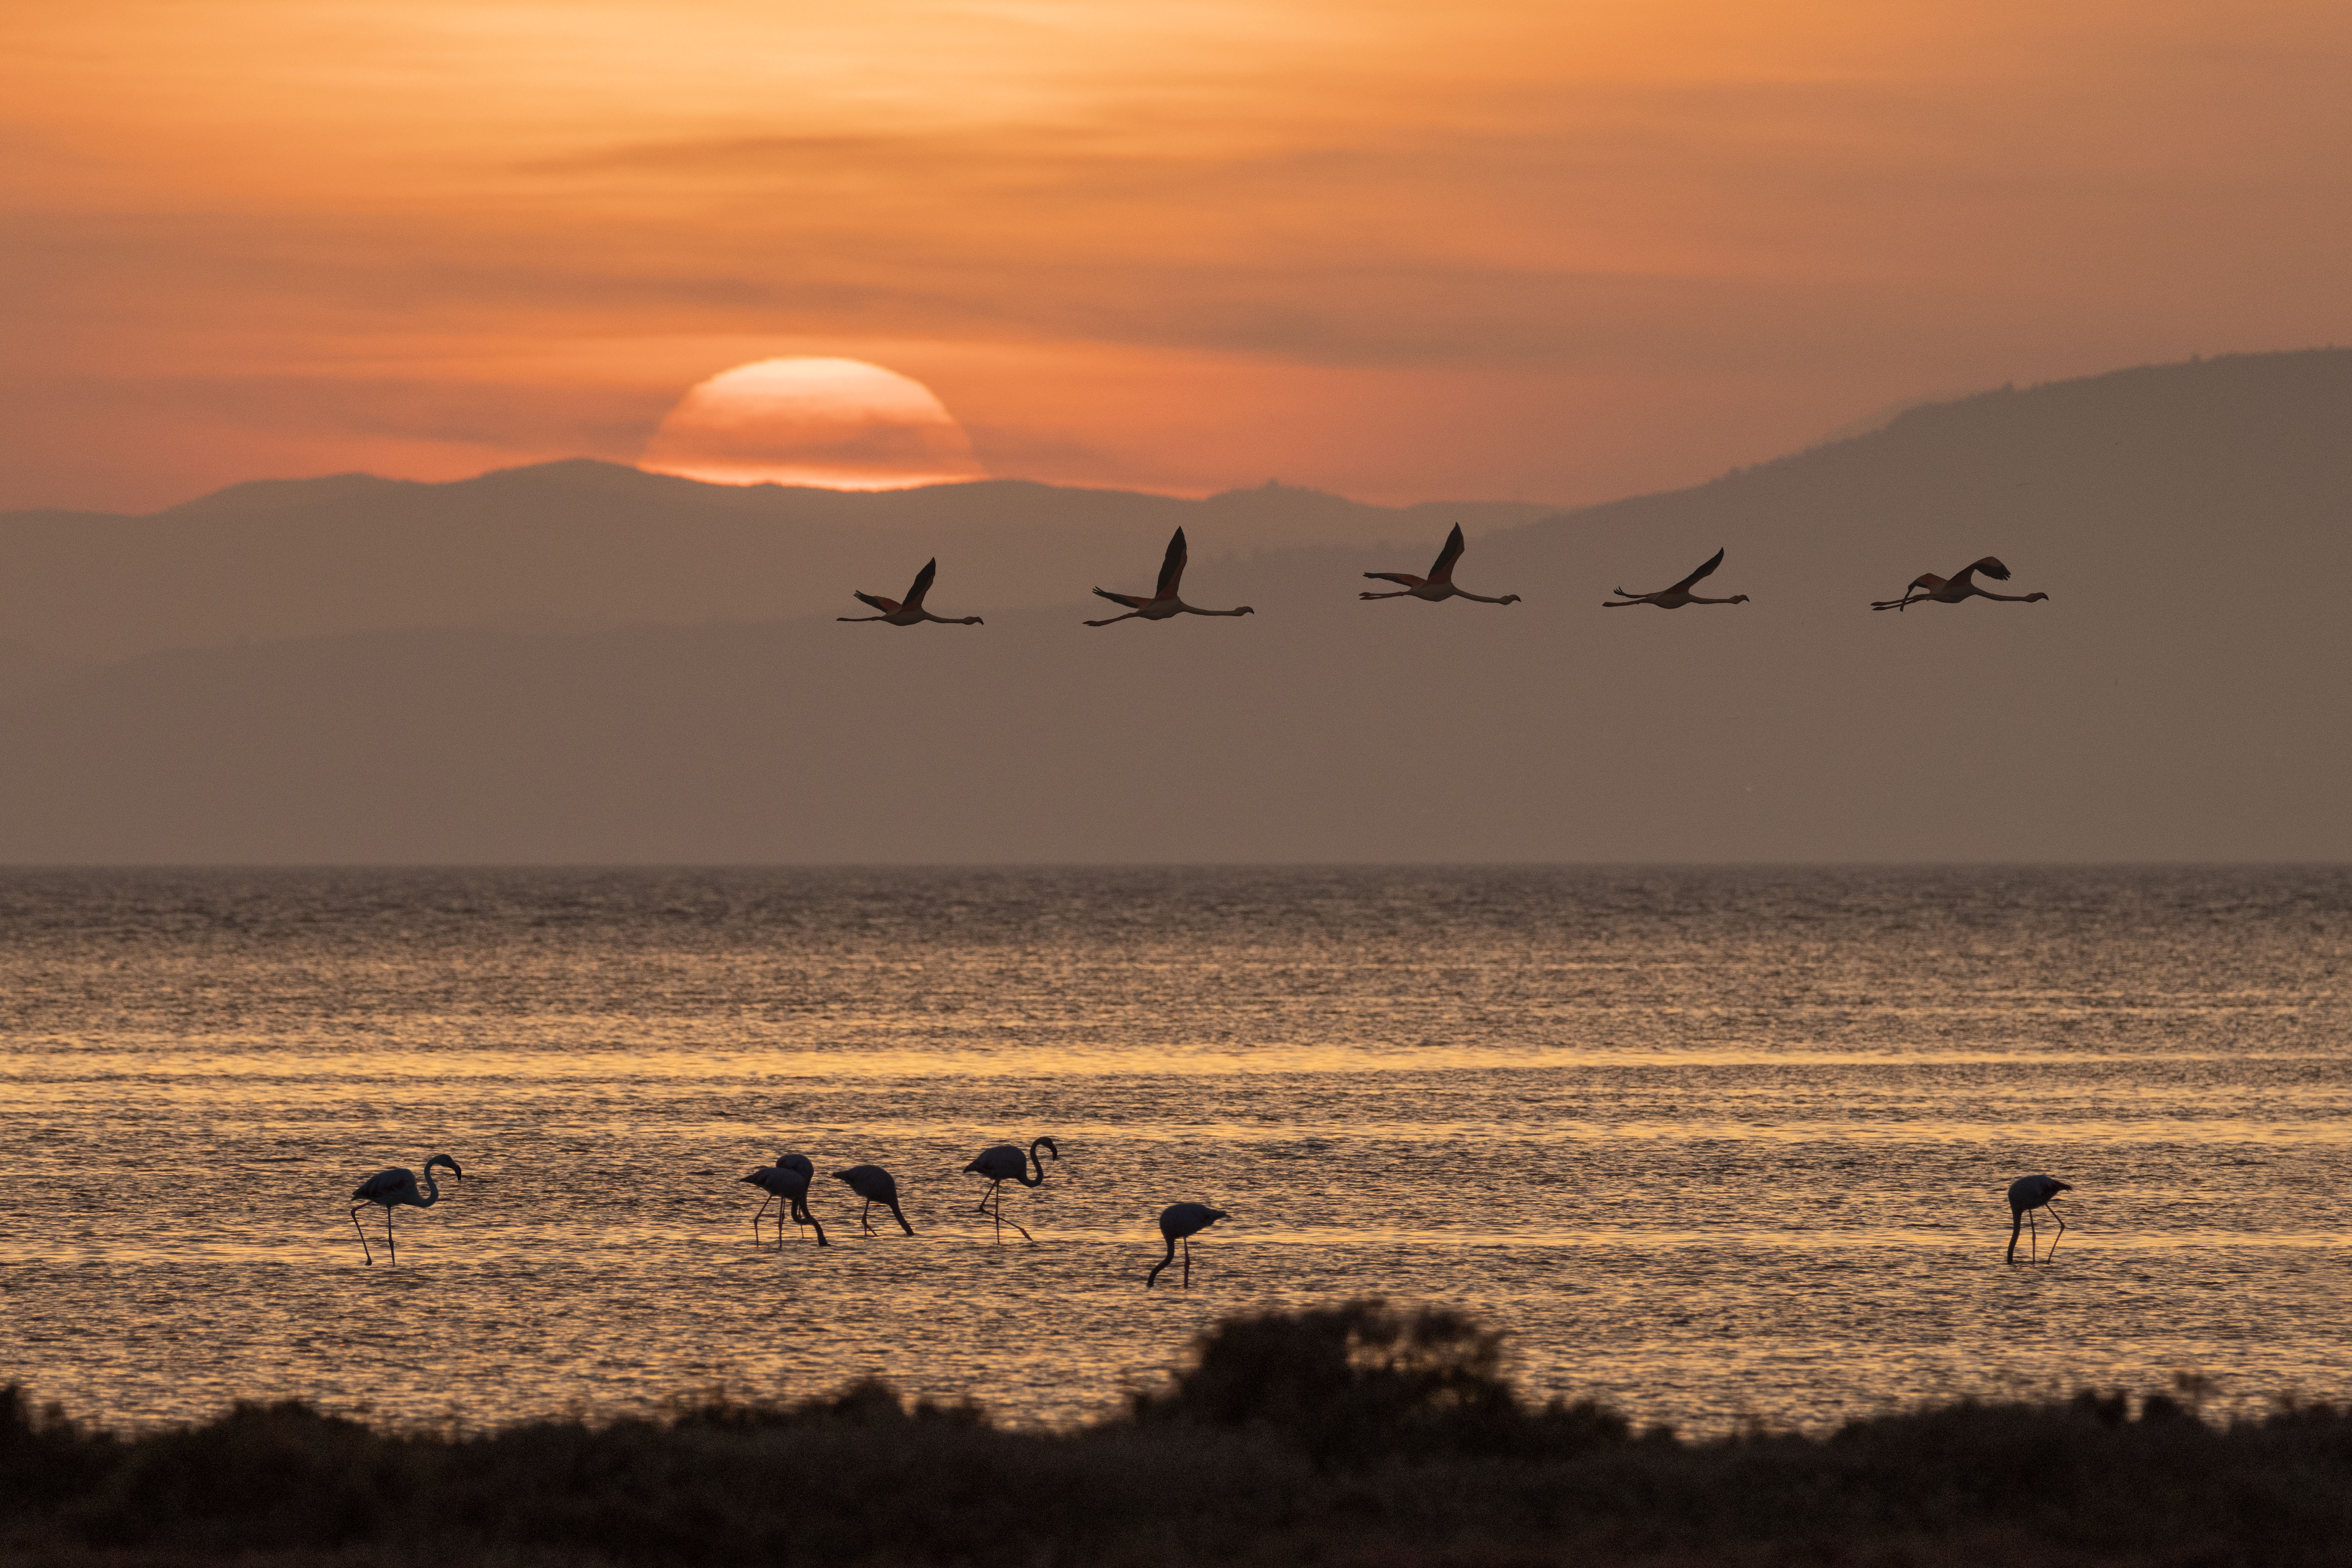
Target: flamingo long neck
(1023,1177)
(432,1191)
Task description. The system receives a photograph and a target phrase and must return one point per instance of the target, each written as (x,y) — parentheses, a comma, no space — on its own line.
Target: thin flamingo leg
(362,1234)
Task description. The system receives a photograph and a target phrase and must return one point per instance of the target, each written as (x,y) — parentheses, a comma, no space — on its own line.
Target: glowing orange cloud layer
(1538,249)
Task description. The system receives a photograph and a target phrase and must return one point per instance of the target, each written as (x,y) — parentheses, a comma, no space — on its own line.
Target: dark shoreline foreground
(1353,1435)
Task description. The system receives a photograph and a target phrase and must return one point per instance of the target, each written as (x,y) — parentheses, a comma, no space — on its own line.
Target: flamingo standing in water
(1163,603)
(1962,585)
(1675,598)
(1439,583)
(2029,1192)
(787,1179)
(876,1185)
(1182,1222)
(396,1186)
(910,611)
(1004,1163)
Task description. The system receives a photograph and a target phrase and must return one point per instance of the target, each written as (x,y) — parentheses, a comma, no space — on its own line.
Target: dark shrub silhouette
(1361,1379)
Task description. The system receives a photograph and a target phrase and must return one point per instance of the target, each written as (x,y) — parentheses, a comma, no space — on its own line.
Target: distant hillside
(586,544)
(2180,696)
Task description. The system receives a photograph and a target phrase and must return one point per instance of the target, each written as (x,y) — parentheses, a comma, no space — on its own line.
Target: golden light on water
(839,424)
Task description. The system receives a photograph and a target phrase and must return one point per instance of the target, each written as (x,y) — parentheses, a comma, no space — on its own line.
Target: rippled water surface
(1713,1144)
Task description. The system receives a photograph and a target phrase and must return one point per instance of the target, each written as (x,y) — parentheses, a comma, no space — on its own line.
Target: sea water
(1713,1145)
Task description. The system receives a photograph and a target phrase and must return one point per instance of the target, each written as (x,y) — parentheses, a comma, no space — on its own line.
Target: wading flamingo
(1439,583)
(1004,1163)
(1180,1222)
(2029,1192)
(1675,598)
(911,612)
(1960,586)
(397,1186)
(1163,602)
(787,1179)
(875,1185)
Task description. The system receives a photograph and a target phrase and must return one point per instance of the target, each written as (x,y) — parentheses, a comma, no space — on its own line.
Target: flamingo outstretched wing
(922,584)
(1132,601)
(888,607)
(1171,569)
(1444,571)
(1407,578)
(1991,566)
(1713,562)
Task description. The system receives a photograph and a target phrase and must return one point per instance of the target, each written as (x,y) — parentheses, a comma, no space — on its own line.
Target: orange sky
(1552,251)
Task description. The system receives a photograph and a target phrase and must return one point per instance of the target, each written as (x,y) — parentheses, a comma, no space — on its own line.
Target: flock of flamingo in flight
(1165,601)
(787,1181)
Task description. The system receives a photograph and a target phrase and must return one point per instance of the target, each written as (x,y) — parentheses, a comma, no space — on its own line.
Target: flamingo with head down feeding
(2029,1192)
(787,1179)
(1675,598)
(876,1185)
(392,1187)
(1182,1222)
(1439,583)
(1928,588)
(908,612)
(1163,604)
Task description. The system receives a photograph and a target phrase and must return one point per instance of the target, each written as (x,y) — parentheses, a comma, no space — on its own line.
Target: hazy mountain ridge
(584,543)
(2180,696)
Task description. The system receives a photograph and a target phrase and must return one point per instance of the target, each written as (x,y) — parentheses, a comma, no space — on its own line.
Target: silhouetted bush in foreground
(1356,1435)
(1350,1383)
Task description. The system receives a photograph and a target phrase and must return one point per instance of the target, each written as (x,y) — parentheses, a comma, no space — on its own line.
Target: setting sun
(840,423)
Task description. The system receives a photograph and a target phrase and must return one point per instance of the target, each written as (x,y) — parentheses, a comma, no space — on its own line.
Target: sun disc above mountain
(839,424)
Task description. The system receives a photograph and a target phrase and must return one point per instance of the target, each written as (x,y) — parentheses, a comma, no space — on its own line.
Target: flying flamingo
(875,1185)
(1004,1163)
(1675,598)
(1181,1221)
(911,612)
(1439,583)
(2029,1192)
(1163,602)
(397,1186)
(787,1179)
(1952,592)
